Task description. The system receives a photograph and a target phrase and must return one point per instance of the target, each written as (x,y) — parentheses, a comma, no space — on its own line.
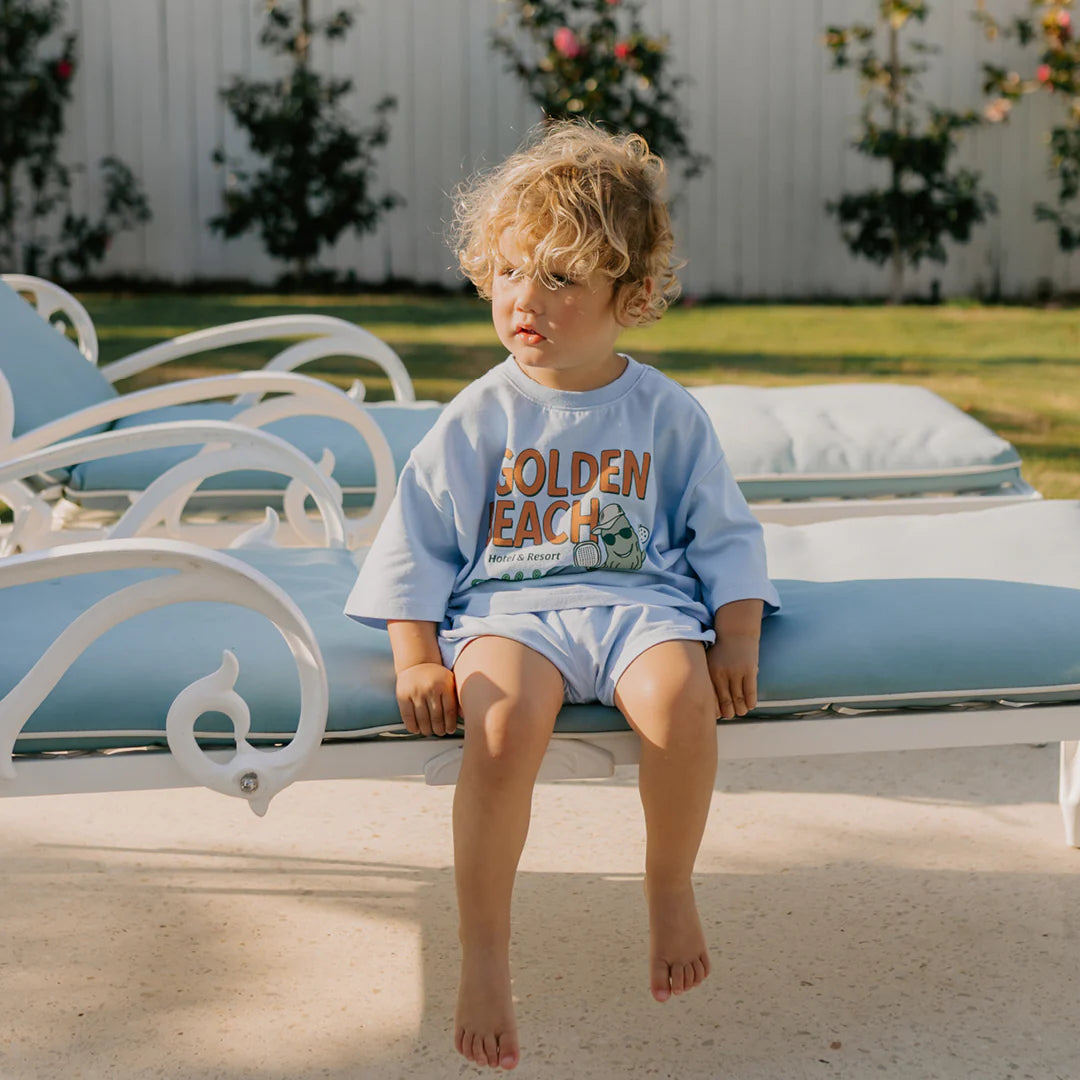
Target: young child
(569,531)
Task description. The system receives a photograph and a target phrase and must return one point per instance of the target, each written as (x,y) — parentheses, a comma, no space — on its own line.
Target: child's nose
(529,295)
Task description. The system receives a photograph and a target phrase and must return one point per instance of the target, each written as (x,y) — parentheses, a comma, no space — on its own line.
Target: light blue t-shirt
(522,498)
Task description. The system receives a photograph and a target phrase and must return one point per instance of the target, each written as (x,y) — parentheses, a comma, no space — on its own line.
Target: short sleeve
(411,568)
(726,545)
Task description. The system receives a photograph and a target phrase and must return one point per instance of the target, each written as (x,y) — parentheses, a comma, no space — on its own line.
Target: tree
(593,59)
(924,202)
(39,229)
(317,168)
(1050,27)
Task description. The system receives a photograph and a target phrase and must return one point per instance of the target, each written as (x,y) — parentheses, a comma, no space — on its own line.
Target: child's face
(562,337)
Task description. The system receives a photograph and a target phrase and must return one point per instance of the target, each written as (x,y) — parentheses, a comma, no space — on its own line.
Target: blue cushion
(909,637)
(126,680)
(49,377)
(404,425)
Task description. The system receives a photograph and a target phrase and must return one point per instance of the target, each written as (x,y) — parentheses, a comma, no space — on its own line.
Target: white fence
(762,103)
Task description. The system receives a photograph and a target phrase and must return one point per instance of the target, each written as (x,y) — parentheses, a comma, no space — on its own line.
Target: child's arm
(733,659)
(426,694)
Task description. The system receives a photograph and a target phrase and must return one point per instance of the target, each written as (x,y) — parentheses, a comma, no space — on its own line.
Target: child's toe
(678,978)
(509,1052)
(660,980)
(491,1050)
(476,1050)
(699,972)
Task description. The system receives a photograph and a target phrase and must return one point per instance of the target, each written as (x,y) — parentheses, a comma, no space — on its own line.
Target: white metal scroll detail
(198,574)
(362,531)
(233,446)
(296,496)
(7,411)
(348,339)
(300,396)
(355,341)
(50,299)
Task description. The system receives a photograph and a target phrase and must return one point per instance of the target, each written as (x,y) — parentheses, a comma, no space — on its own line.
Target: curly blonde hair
(576,200)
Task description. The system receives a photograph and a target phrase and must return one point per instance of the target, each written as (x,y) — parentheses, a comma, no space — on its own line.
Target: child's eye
(561,281)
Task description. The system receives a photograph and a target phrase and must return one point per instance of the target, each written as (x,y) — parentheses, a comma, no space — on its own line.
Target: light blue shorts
(591,646)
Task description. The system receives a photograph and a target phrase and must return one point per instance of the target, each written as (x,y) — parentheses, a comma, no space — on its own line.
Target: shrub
(924,202)
(316,170)
(39,230)
(593,59)
(1048,26)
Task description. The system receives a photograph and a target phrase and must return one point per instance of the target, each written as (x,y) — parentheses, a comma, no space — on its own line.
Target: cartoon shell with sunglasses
(616,545)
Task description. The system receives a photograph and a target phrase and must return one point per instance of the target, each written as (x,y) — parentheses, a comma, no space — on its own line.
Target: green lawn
(1016,369)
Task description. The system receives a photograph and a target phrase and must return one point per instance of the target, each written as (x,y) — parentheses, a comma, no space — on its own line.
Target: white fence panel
(761,101)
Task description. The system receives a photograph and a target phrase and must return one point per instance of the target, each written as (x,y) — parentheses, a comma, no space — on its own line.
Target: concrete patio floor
(911,915)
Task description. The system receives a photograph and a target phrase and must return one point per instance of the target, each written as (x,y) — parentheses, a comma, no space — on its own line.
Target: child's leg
(667,696)
(509,695)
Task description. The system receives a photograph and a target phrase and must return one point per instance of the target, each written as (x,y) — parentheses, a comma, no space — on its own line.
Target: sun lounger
(56,394)
(297,397)
(896,633)
(802,453)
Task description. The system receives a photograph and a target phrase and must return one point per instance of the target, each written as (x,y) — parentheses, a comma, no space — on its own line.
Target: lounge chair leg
(1069,794)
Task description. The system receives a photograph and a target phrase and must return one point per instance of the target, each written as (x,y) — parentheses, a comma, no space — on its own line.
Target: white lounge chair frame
(326,336)
(228,446)
(299,396)
(200,574)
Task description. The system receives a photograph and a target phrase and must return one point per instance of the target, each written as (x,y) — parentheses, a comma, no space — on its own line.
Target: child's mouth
(528,335)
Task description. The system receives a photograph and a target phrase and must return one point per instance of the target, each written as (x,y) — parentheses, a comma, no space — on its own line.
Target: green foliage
(924,202)
(593,59)
(39,230)
(316,168)
(1048,26)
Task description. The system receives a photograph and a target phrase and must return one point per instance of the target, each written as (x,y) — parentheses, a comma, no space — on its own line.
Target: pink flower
(998,110)
(613,3)
(64,70)
(1064,19)
(566,43)
(623,49)
(1042,73)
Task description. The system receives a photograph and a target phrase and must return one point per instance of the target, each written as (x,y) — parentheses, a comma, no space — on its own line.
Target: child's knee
(509,739)
(657,691)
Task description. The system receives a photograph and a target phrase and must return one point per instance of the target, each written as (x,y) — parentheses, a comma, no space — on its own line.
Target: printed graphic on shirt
(563,524)
(623,545)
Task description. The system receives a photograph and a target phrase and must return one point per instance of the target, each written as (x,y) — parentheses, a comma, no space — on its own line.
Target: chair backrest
(48,376)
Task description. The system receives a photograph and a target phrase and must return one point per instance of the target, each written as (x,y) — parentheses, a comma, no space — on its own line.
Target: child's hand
(427,698)
(733,666)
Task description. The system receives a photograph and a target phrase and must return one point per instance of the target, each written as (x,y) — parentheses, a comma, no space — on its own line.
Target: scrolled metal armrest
(301,396)
(50,299)
(198,574)
(356,341)
(216,337)
(230,446)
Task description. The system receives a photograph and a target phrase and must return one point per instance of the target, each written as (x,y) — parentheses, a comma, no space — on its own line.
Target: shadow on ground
(850,936)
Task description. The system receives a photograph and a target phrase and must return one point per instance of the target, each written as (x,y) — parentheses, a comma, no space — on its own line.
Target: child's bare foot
(678,958)
(485,1030)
